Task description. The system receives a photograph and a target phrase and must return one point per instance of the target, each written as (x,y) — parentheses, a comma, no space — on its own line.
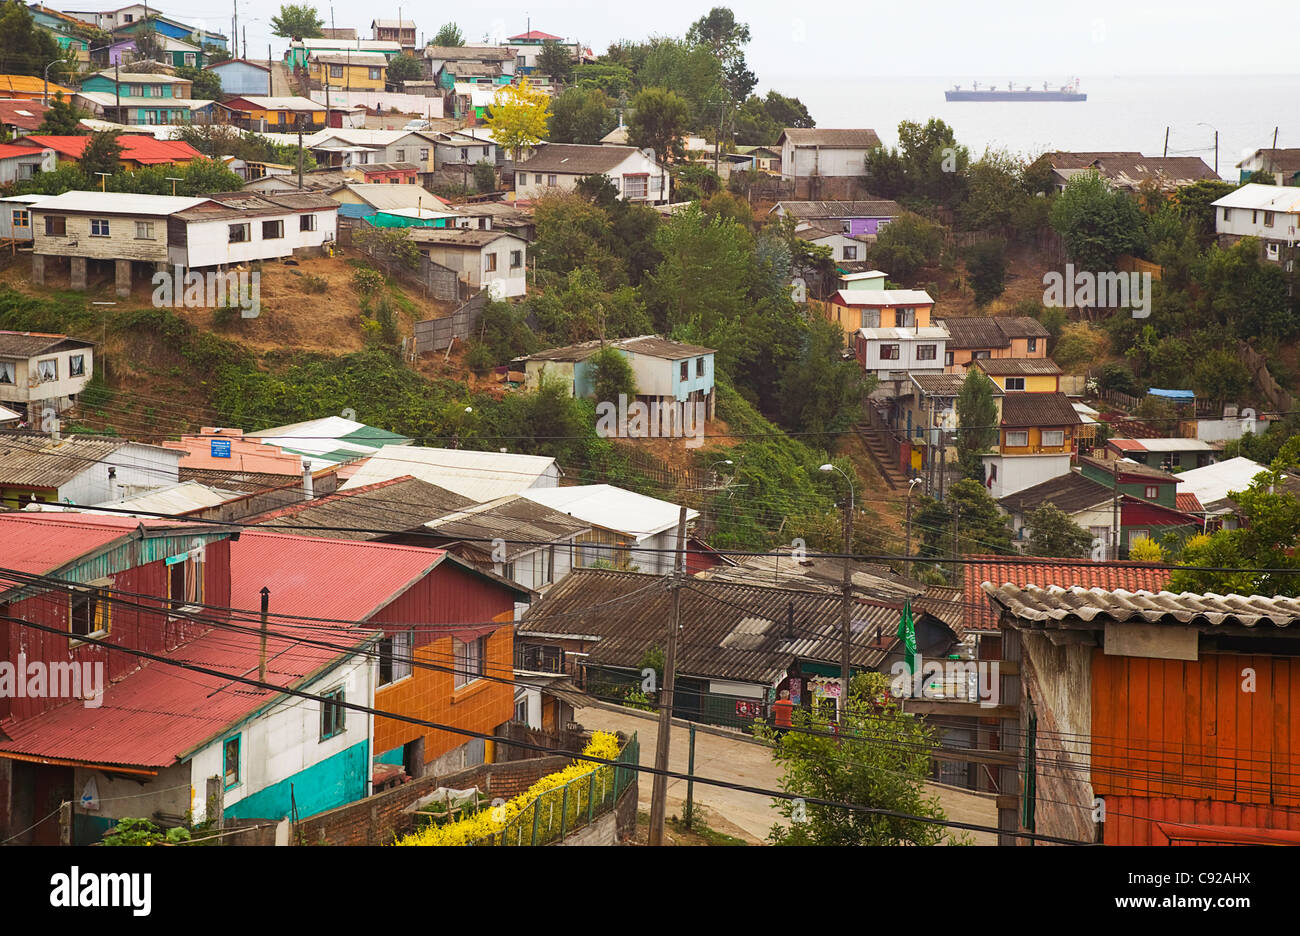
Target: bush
(987,264)
(367,281)
(315,284)
(1146,550)
(485,176)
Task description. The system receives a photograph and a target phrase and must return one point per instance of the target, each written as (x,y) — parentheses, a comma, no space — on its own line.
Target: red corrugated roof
(136,147)
(10,150)
(25,115)
(536,35)
(1128,445)
(1188,503)
(38,543)
(363,577)
(1021,571)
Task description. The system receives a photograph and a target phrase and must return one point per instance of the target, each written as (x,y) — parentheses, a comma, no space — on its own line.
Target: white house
(892,353)
(628,529)
(1269,212)
(241,227)
(22,161)
(16,216)
(39,371)
(825,152)
(480,476)
(495,261)
(460,149)
(557,167)
(340,148)
(80,469)
(844,248)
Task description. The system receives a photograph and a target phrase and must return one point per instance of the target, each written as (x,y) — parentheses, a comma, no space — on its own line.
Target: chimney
(307,487)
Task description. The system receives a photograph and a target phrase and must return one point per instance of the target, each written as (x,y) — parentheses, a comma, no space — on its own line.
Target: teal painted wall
(335,781)
(391,757)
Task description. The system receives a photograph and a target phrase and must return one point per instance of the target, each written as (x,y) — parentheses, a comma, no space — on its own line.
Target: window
(376,74)
(99,227)
(1254,217)
(1033,344)
(979,356)
(144,230)
(230,761)
(850,252)
(1135,536)
(189,60)
(89,614)
(927,352)
(239,233)
(516,259)
(905,318)
(395,657)
(552,180)
(1015,383)
(1019,438)
(469,660)
(1268,219)
(401,155)
(272,230)
(1271,251)
(1227,214)
(331,714)
(464,154)
(307,222)
(870,318)
(699,367)
(21,218)
(7,373)
(47,371)
(1053,437)
(947,359)
(889,352)
(538,180)
(1152,491)
(490,263)
(636,186)
(336,71)
(184,581)
(685,370)
(424,155)
(77,365)
(158,90)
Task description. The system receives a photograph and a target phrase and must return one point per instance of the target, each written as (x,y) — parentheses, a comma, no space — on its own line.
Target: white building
(39,371)
(21,161)
(495,261)
(1269,212)
(480,476)
(557,167)
(16,216)
(242,227)
(892,353)
(80,469)
(825,152)
(341,148)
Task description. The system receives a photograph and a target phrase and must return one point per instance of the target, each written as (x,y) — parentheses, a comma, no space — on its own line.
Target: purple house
(855,218)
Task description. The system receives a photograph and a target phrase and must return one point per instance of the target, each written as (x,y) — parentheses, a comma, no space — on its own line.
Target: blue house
(175,29)
(241,77)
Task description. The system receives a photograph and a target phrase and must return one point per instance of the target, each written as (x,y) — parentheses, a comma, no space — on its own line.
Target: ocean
(1121,113)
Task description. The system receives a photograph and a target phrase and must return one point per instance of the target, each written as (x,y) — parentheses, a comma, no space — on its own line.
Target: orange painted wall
(1035,446)
(1172,821)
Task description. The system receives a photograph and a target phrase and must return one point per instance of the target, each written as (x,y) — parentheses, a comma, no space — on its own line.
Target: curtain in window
(7,372)
(47,370)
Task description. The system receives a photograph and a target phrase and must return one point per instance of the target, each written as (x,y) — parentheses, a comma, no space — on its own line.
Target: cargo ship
(1010,92)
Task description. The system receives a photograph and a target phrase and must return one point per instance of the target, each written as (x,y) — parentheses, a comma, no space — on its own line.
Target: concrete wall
(813,161)
(1017,472)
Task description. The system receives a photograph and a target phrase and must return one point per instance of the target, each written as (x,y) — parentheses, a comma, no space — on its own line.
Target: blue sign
(220,448)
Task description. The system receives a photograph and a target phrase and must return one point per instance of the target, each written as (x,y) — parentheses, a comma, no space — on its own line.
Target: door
(52,787)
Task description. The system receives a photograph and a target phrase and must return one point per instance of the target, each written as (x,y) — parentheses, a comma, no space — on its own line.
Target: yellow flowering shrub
(537,807)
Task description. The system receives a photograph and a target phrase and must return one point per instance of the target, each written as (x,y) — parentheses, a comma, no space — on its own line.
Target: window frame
(490,262)
(1020,433)
(891,352)
(275,225)
(1151,491)
(468,667)
(333,716)
(1052,432)
(99,227)
(516,259)
(147,228)
(99,612)
(77,365)
(227,783)
(398,649)
(932,355)
(306,222)
(243,227)
(1018,386)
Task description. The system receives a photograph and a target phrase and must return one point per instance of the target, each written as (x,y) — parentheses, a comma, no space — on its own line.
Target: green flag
(907,634)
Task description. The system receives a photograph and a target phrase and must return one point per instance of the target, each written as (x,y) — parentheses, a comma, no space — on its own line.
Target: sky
(824,40)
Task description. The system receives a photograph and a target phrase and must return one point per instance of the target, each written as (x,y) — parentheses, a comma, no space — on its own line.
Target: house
(445,652)
(219,449)
(138,149)
(1166,454)
(1156,676)
(275,114)
(1131,171)
(346,148)
(176,53)
(765,159)
(300,51)
(864,304)
(844,248)
(825,163)
(79,469)
(495,261)
(21,117)
(1282,164)
(891,354)
(927,414)
(436,57)
(480,476)
(143,110)
(391,511)
(1036,440)
(527,47)
(630,530)
(402,173)
(20,162)
(994,336)
(401,31)
(1153,508)
(747,642)
(167,28)
(1212,485)
(29,88)
(330,440)
(1030,375)
(242,77)
(1268,212)
(557,167)
(16,215)
(39,371)
(348,70)
(138,84)
(460,150)
(666,372)
(855,218)
(133,731)
(365,200)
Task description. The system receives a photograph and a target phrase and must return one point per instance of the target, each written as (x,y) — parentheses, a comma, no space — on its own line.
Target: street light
(847,587)
(907,548)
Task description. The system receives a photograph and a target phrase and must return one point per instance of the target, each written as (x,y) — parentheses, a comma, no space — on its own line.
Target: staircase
(882,454)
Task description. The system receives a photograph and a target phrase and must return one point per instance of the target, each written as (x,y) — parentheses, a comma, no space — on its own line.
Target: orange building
(227,450)
(993,336)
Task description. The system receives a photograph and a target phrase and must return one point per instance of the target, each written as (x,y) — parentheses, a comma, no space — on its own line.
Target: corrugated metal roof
(878,208)
(1038,409)
(1022,571)
(994,331)
(648,345)
(729,631)
(1162,445)
(779,569)
(509,518)
(945,384)
(1126,466)
(1016,367)
(480,476)
(1069,492)
(1211,484)
(387,197)
(380,509)
(831,138)
(612,508)
(1055,605)
(577,158)
(119,203)
(329,440)
(885,297)
(1263,198)
(37,461)
(185,497)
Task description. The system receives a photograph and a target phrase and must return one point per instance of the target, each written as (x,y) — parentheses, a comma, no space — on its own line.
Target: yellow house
(348,71)
(853,309)
(1027,375)
(275,114)
(1037,424)
(992,336)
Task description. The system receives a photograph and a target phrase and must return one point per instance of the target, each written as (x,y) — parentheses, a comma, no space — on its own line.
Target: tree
(519,117)
(1053,533)
(1146,550)
(149,44)
(102,154)
(981,528)
(977,420)
(877,756)
(63,118)
(906,245)
(297,21)
(701,285)
(691,71)
(448,36)
(207,84)
(986,261)
(611,375)
(485,176)
(25,48)
(581,115)
(555,61)
(1096,222)
(403,68)
(719,32)
(928,164)
(205,176)
(659,118)
(821,392)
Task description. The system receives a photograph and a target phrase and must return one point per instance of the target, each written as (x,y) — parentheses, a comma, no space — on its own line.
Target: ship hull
(1014,96)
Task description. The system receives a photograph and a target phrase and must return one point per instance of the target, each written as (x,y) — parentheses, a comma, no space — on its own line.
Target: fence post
(564,812)
(537,814)
(591,797)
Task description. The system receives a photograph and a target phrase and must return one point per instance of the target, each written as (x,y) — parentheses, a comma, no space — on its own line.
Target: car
(418,125)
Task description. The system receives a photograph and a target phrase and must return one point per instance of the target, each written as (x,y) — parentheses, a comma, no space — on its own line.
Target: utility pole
(1114,506)
(659,790)
(1275,138)
(956,542)
(300,152)
(261,655)
(1166,152)
(1216,152)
